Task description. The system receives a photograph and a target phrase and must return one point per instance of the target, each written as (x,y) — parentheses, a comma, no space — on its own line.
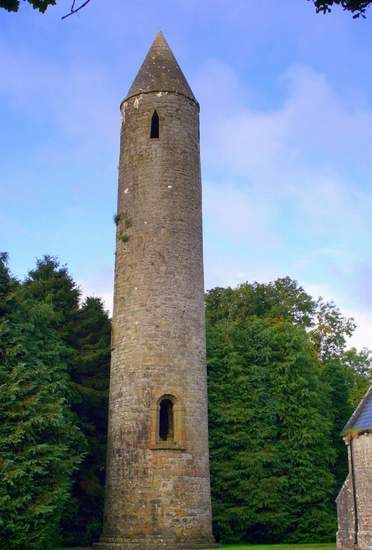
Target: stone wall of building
(360,450)
(362,453)
(158,497)
(346,517)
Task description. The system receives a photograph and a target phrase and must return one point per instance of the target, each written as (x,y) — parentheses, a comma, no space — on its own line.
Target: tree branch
(75,10)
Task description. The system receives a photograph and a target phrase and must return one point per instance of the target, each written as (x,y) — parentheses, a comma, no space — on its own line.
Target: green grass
(331,546)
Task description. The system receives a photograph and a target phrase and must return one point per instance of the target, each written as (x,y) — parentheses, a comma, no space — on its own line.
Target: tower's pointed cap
(160,72)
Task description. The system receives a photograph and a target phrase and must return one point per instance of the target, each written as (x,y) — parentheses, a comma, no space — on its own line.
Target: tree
(348,375)
(7,285)
(40,444)
(330,330)
(86,330)
(52,283)
(356,7)
(270,425)
(42,5)
(271,457)
(282,299)
(82,522)
(338,379)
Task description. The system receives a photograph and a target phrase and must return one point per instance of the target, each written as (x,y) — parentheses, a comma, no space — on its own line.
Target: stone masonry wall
(158,498)
(346,518)
(362,458)
(362,452)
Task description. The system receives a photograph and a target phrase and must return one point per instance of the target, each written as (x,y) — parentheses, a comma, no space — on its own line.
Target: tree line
(281,381)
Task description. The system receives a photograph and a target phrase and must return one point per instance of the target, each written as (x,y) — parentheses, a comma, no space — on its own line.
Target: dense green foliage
(54,357)
(281,386)
(41,5)
(356,7)
(40,444)
(279,393)
(82,523)
(86,330)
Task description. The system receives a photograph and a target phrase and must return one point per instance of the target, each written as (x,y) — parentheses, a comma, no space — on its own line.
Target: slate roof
(361,420)
(160,72)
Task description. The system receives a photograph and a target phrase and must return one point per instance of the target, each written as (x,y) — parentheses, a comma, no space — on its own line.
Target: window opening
(155,125)
(166,420)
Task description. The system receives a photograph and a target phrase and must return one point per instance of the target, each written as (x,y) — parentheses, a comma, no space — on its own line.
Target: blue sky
(286,127)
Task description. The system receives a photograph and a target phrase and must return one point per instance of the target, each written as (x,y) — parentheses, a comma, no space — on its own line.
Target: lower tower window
(166,420)
(167,423)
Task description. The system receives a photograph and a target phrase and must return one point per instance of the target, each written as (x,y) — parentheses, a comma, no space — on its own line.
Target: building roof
(160,72)
(361,420)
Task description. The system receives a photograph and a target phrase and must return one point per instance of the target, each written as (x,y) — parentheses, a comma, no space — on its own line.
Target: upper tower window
(154,133)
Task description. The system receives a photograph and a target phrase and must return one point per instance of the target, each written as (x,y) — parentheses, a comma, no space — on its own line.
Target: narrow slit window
(166,420)
(154,125)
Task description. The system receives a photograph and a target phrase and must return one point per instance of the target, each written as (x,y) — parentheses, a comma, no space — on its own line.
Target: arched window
(166,420)
(154,133)
(167,429)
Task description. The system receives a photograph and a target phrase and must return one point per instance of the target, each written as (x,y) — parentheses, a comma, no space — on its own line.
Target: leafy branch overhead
(43,5)
(356,7)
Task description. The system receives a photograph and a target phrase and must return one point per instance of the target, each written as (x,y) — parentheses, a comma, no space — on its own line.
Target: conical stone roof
(160,72)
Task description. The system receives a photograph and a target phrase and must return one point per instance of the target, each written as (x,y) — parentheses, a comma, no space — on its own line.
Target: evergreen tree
(40,445)
(344,371)
(270,424)
(52,283)
(7,285)
(270,434)
(86,331)
(90,374)
(336,377)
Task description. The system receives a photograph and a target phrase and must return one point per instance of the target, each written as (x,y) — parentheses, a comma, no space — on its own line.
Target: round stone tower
(158,489)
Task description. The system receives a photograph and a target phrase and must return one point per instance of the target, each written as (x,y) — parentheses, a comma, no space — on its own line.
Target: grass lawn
(323,546)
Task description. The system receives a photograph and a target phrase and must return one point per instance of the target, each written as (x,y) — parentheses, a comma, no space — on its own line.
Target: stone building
(354,502)
(158,488)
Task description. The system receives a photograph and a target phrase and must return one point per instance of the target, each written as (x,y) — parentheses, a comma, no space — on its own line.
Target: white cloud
(293,180)
(362,337)
(313,124)
(235,212)
(79,99)
(99,284)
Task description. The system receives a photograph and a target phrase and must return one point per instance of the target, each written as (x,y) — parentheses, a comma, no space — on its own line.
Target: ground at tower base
(322,546)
